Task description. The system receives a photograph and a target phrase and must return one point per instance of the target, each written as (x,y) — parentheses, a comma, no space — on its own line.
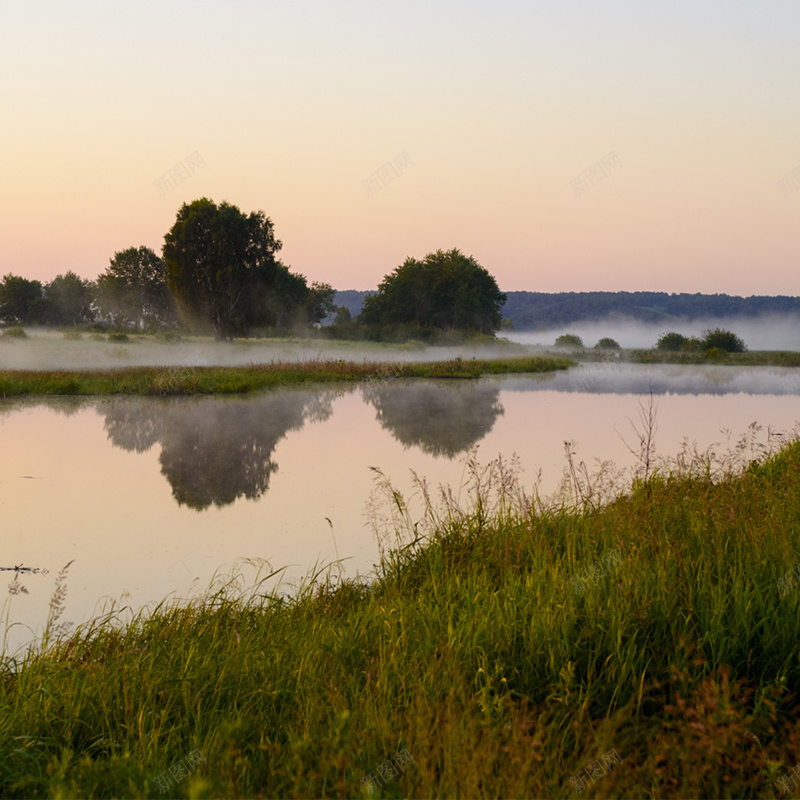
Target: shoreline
(187,380)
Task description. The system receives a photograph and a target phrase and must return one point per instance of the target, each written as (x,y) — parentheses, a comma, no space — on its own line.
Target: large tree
(445,291)
(223,272)
(133,290)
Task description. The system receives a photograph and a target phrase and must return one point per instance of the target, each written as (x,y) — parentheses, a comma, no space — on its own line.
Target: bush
(569,340)
(671,342)
(692,345)
(72,334)
(117,336)
(169,337)
(715,354)
(723,340)
(17,332)
(606,343)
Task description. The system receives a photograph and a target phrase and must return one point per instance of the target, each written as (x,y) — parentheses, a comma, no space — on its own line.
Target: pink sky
(495,113)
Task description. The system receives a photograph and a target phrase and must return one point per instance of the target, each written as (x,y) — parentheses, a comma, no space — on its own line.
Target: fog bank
(779,332)
(49,350)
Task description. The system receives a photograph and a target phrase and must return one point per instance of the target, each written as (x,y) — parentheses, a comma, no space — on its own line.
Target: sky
(566,145)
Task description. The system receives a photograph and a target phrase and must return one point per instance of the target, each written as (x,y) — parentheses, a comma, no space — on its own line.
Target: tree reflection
(133,425)
(440,418)
(215,450)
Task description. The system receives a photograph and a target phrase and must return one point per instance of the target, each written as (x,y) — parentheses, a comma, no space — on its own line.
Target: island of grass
(644,648)
(183,380)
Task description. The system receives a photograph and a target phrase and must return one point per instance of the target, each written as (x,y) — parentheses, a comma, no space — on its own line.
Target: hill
(534,310)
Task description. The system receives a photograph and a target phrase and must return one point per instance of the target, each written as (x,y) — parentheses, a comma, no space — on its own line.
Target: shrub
(17,332)
(723,340)
(118,336)
(606,343)
(715,354)
(692,345)
(170,337)
(569,340)
(671,342)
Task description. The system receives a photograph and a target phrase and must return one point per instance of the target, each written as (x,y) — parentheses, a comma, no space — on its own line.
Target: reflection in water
(441,418)
(711,379)
(133,426)
(214,451)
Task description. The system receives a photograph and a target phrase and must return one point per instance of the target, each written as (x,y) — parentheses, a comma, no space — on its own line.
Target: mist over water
(49,350)
(641,379)
(780,332)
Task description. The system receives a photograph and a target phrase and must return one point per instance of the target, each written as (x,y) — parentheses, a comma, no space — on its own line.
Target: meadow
(190,379)
(606,644)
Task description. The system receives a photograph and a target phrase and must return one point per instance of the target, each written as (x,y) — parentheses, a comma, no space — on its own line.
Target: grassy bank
(648,648)
(182,380)
(749,358)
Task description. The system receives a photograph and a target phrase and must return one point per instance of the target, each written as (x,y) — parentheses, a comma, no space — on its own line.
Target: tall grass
(181,380)
(505,644)
(750,358)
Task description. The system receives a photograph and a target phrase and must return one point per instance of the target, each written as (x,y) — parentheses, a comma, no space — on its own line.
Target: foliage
(319,302)
(15,332)
(671,342)
(531,310)
(342,315)
(723,340)
(21,301)
(133,290)
(607,343)
(446,291)
(69,300)
(660,628)
(718,339)
(223,272)
(569,340)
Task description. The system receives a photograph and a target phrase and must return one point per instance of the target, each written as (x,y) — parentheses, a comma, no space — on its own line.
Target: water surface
(147,495)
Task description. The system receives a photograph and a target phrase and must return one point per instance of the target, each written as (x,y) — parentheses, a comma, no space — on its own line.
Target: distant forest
(537,310)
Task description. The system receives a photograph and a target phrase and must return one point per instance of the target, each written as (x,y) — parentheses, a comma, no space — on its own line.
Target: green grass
(750,358)
(489,657)
(227,380)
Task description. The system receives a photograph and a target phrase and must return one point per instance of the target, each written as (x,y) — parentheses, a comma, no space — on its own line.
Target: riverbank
(189,379)
(647,648)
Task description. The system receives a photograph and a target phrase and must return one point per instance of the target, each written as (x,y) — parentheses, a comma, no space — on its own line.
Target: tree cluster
(66,300)
(220,273)
(535,310)
(718,338)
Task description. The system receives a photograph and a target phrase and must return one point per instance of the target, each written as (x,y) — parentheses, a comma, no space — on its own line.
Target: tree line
(219,273)
(537,310)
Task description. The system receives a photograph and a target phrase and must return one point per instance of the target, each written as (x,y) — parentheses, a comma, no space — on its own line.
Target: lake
(151,497)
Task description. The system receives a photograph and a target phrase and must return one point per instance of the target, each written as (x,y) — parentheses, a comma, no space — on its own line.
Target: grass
(506,647)
(182,380)
(749,358)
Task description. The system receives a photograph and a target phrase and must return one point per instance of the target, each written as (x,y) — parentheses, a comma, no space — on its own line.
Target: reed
(635,644)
